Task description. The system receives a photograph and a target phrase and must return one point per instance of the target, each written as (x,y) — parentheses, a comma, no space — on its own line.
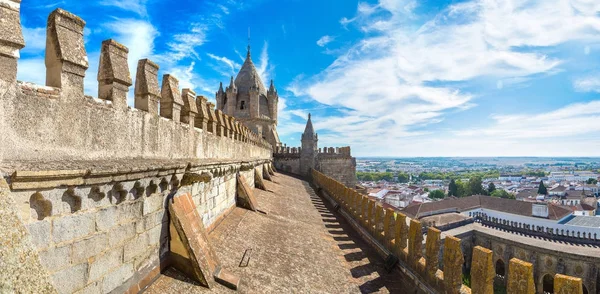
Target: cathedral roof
(248,77)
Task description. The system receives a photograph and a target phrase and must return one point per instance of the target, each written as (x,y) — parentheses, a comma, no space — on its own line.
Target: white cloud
(325,40)
(184,44)
(35,39)
(587,84)
(399,79)
(265,69)
(230,64)
(137,6)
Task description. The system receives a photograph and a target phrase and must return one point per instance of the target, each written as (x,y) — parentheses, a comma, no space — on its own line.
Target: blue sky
(388,77)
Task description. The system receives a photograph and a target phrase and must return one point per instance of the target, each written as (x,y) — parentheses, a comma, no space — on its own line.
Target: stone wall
(88,178)
(341,168)
(288,164)
(391,233)
(109,235)
(545,260)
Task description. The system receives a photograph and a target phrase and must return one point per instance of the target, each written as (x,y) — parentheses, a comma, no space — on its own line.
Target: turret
(220,97)
(310,148)
(273,99)
(232,92)
(254,101)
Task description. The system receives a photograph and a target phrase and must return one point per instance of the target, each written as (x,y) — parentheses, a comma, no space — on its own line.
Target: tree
(452,188)
(592,181)
(403,177)
(463,189)
(367,177)
(426,189)
(542,189)
(491,188)
(436,194)
(475,186)
(500,194)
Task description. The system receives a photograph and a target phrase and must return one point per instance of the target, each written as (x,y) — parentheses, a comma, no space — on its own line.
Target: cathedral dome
(248,77)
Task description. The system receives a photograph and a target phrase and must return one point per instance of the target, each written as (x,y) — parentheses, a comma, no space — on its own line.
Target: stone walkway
(299,246)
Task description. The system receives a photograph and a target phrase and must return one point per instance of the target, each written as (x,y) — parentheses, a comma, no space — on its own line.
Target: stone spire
(272,87)
(309,132)
(231,84)
(220,87)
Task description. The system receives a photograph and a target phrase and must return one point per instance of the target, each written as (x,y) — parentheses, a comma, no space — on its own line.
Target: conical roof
(309,131)
(248,77)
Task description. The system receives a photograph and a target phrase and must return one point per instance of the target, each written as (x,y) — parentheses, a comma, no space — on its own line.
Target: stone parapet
(114,79)
(407,244)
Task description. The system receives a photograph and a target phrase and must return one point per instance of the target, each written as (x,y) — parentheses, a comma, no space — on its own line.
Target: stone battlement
(393,233)
(58,122)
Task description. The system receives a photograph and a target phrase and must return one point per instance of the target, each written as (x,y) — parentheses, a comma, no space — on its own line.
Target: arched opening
(500,269)
(242,105)
(548,284)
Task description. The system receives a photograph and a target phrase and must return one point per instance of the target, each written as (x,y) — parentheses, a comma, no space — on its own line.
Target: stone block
(154,235)
(189,109)
(432,252)
(152,204)
(130,211)
(117,277)
(520,277)
(482,271)
(11,39)
(92,288)
(147,91)
(71,279)
(170,98)
(40,234)
(103,264)
(72,227)
(66,58)
(415,241)
(86,248)
(245,195)
(113,73)
(120,234)
(453,261)
(202,117)
(135,247)
(106,218)
(567,285)
(193,240)
(55,259)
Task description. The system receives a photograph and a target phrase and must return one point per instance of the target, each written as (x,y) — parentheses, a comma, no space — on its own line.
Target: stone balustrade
(404,240)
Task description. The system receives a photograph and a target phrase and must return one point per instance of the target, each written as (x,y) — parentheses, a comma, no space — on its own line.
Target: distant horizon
(359,157)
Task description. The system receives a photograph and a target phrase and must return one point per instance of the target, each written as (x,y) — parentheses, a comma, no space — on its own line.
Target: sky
(395,78)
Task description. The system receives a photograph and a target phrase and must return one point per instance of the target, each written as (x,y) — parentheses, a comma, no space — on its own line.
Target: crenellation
(114,78)
(11,40)
(448,277)
(170,98)
(202,117)
(66,59)
(190,109)
(147,91)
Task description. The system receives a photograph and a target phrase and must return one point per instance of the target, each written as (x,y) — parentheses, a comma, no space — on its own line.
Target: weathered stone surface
(66,58)
(170,98)
(56,259)
(135,247)
(567,285)
(106,218)
(245,195)
(71,279)
(432,252)
(147,92)
(21,270)
(189,110)
(453,261)
(520,277)
(258,182)
(72,227)
(113,73)
(121,234)
(40,233)
(86,248)
(117,277)
(105,263)
(482,271)
(191,232)
(415,240)
(202,117)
